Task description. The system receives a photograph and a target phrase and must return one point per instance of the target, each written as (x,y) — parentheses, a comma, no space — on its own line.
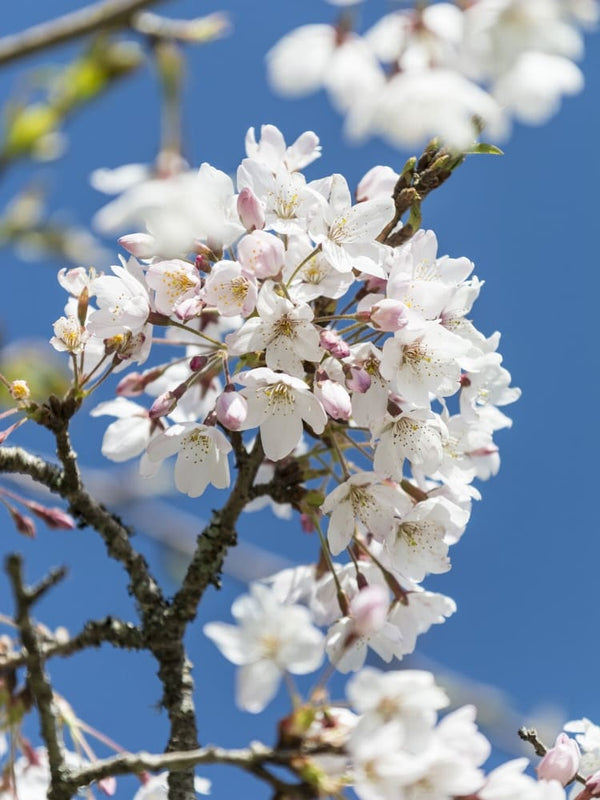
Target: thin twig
(110,630)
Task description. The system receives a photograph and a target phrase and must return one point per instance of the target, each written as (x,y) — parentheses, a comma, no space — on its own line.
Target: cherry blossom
(271,638)
(201,456)
(278,403)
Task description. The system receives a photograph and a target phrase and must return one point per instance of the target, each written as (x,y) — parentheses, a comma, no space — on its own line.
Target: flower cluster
(441,68)
(360,353)
(399,749)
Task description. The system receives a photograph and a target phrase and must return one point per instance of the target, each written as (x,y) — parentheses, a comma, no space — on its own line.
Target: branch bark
(37,680)
(110,630)
(252,759)
(218,536)
(85,21)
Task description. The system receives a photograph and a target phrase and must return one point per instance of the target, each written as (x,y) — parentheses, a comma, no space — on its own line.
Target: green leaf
(485,149)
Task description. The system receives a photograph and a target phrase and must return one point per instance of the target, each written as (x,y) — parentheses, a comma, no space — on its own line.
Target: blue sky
(525,574)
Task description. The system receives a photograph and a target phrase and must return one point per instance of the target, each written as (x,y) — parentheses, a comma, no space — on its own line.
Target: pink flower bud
(189,308)
(30,753)
(389,315)
(23,523)
(198,362)
(131,385)
(359,380)
(166,402)
(334,398)
(134,384)
(261,254)
(140,245)
(250,209)
(561,762)
(375,285)
(53,517)
(369,609)
(378,182)
(108,786)
(334,344)
(231,409)
(202,263)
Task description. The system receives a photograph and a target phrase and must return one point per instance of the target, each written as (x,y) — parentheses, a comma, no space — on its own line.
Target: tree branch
(105,14)
(37,679)
(113,631)
(251,759)
(83,506)
(218,536)
(418,179)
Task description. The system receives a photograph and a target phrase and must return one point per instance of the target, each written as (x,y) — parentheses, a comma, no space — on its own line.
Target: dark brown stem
(418,179)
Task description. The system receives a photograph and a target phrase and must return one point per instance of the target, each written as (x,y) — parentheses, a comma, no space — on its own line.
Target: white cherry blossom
(201,456)
(283,330)
(172,281)
(347,233)
(363,500)
(231,288)
(271,149)
(123,301)
(278,403)
(270,638)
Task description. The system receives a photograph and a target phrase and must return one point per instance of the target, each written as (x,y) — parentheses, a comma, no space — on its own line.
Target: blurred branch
(32,127)
(106,14)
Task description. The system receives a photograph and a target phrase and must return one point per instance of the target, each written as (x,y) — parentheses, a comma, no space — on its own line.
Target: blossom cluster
(441,68)
(350,357)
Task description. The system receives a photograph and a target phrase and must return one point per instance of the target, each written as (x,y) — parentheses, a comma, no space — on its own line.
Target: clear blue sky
(526,572)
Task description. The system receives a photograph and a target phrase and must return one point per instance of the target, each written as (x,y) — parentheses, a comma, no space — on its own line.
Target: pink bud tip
(130,386)
(198,362)
(359,380)
(231,409)
(334,344)
(250,209)
(561,762)
(108,786)
(140,245)
(163,405)
(389,315)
